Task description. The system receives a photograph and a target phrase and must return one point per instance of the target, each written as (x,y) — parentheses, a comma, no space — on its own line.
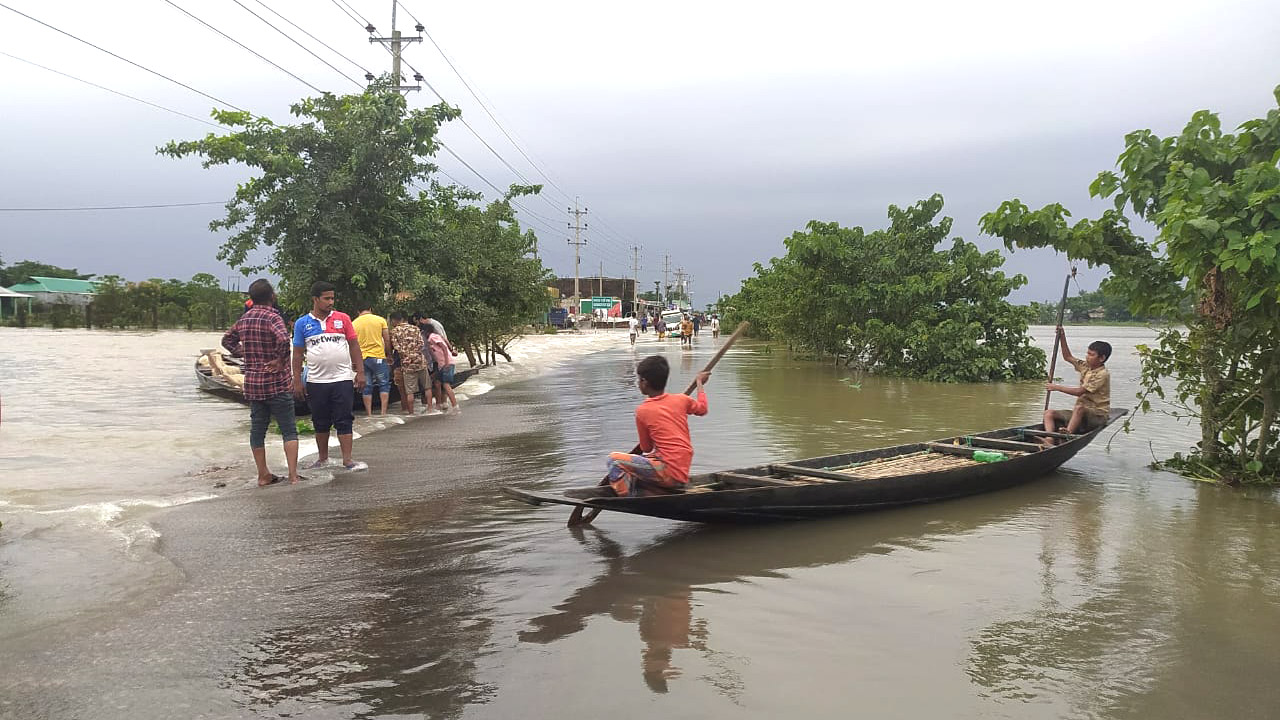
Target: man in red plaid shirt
(261,336)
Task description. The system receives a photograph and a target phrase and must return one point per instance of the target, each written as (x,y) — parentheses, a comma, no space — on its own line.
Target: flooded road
(1105,590)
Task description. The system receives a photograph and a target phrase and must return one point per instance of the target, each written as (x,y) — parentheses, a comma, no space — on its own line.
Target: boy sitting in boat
(663,425)
(1093,394)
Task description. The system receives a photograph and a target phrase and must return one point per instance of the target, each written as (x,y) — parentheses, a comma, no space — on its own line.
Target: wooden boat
(848,482)
(222,374)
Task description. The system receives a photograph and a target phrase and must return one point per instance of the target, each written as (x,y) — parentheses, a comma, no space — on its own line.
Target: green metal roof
(56,285)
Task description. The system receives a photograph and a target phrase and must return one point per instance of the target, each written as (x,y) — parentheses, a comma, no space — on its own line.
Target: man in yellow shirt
(375,340)
(1093,394)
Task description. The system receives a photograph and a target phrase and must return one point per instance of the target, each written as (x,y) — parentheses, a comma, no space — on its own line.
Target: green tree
(331,197)
(888,300)
(21,272)
(1214,199)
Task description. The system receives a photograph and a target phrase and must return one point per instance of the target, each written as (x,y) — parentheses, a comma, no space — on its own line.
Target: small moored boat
(849,482)
(223,374)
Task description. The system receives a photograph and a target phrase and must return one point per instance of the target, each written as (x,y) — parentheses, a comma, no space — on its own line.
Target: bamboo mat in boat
(922,461)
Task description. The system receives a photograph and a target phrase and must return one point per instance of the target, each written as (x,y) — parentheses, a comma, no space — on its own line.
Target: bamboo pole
(1057,338)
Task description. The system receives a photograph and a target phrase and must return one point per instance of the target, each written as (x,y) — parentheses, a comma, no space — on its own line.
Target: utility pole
(680,273)
(635,280)
(666,289)
(577,242)
(601,293)
(394,42)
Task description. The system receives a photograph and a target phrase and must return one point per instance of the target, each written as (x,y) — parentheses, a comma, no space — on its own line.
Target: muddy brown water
(1104,590)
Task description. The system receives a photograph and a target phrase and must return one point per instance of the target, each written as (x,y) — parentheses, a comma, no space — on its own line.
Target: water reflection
(660,588)
(1143,600)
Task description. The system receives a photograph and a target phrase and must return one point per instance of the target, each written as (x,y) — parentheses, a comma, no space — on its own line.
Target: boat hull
(825,499)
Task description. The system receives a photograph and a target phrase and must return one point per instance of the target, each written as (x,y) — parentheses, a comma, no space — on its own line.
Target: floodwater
(131,587)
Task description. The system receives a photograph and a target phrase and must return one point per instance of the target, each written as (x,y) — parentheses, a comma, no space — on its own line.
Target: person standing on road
(329,343)
(407,341)
(260,336)
(375,348)
(633,327)
(442,353)
(715,326)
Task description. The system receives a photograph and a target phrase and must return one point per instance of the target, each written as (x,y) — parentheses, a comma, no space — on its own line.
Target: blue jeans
(260,413)
(376,372)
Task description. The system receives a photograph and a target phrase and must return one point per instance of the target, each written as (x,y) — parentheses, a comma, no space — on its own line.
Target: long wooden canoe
(847,482)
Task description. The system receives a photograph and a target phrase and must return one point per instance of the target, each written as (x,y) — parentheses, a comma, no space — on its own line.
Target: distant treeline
(195,304)
(1097,306)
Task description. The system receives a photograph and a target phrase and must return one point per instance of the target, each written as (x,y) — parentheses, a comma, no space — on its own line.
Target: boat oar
(1053,361)
(580,516)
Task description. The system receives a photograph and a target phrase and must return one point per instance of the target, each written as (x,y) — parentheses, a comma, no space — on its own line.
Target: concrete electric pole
(635,280)
(577,242)
(395,42)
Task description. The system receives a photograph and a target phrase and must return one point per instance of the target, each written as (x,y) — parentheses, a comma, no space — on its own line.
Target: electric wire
(354,19)
(218,100)
(302,30)
(255,53)
(295,42)
(109,207)
(117,92)
(357,14)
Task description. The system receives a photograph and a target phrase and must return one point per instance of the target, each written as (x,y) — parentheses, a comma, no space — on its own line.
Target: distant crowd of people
(688,327)
(326,360)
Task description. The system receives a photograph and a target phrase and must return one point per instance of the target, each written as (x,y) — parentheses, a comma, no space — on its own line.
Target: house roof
(6,292)
(57,285)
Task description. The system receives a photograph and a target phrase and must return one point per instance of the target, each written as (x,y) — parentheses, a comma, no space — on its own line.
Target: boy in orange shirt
(662,422)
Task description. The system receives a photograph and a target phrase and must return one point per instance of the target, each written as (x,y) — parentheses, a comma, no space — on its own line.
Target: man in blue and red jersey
(261,337)
(329,343)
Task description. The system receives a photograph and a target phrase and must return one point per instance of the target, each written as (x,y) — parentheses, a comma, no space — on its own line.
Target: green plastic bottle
(987,456)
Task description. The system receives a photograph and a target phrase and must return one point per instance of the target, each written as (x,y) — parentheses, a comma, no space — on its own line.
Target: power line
(501,192)
(117,92)
(109,207)
(246,47)
(354,19)
(313,37)
(357,13)
(488,112)
(292,40)
(118,57)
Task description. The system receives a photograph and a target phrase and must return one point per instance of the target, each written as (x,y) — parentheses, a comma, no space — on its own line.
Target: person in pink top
(442,352)
(662,422)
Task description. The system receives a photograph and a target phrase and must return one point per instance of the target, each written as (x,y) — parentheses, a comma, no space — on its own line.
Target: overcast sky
(706,132)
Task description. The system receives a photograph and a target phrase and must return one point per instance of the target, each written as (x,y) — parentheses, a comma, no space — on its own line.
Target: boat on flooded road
(910,474)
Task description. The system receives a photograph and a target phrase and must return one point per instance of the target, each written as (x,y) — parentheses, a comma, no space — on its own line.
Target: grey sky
(706,131)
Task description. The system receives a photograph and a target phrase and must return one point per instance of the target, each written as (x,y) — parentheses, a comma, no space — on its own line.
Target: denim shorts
(377,372)
(279,407)
(446,375)
(331,405)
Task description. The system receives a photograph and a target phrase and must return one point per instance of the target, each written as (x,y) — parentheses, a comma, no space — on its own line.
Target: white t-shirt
(633,325)
(715,323)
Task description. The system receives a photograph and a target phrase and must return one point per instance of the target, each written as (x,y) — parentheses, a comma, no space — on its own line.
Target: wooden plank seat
(733,479)
(1000,443)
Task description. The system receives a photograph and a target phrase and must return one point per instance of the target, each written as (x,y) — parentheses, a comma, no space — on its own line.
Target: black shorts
(331,405)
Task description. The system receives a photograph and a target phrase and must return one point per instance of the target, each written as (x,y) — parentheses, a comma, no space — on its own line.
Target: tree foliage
(347,196)
(889,300)
(1214,199)
(332,196)
(23,271)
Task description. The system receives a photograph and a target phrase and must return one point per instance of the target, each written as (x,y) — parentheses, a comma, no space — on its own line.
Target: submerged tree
(1214,199)
(888,300)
